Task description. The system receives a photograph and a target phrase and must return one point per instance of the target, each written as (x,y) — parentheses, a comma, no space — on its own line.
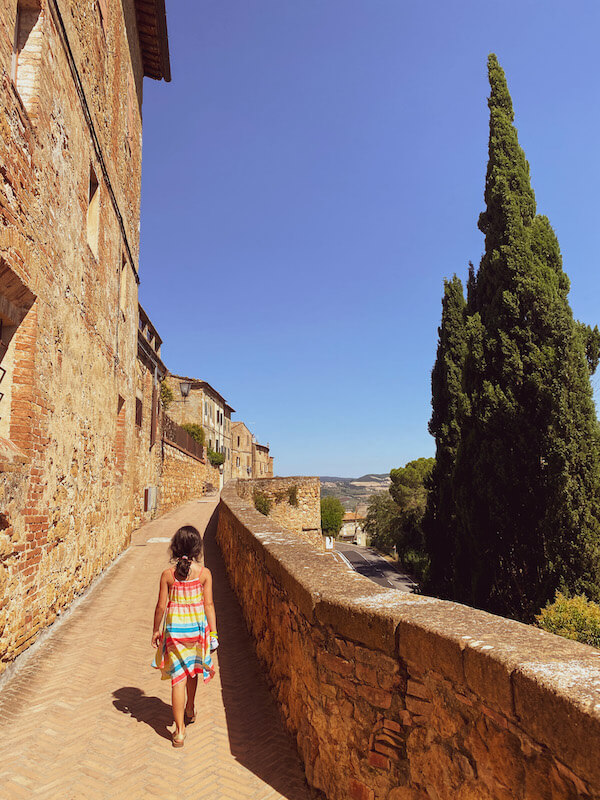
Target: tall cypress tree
(439,524)
(526,481)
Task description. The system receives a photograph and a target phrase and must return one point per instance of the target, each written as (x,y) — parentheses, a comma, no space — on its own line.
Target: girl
(190,628)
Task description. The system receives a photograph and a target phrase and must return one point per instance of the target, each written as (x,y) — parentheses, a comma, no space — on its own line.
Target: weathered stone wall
(148,465)
(295,504)
(68,499)
(183,478)
(261,466)
(396,696)
(241,450)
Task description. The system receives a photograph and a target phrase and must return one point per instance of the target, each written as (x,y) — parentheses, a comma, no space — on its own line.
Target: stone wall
(295,504)
(183,478)
(401,697)
(70,150)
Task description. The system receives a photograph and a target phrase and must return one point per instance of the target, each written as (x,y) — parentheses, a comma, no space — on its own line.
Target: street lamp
(184,388)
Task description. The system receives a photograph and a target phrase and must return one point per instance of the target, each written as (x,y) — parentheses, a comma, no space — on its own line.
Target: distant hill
(353,492)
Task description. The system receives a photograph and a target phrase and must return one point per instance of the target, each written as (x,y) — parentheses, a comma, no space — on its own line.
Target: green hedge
(572,617)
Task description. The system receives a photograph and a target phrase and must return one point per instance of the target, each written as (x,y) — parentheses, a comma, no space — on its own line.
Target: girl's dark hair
(186,546)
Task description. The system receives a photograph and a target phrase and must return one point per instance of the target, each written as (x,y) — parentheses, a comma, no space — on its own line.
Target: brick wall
(402,697)
(295,504)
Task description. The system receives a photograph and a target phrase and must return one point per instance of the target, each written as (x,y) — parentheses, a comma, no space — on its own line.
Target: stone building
(148,465)
(241,450)
(262,462)
(198,402)
(353,527)
(71,90)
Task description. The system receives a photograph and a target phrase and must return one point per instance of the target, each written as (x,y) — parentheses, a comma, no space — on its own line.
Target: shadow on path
(257,736)
(151,710)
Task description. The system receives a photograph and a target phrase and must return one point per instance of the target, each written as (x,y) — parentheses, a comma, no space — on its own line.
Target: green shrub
(572,617)
(195,431)
(166,394)
(332,515)
(216,459)
(261,502)
(416,563)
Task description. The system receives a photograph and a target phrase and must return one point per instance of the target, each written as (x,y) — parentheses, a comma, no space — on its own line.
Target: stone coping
(548,685)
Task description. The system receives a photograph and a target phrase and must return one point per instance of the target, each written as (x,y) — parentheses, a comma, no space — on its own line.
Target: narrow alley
(86,718)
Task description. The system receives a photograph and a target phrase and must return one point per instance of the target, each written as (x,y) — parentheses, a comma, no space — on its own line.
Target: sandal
(178,739)
(189,718)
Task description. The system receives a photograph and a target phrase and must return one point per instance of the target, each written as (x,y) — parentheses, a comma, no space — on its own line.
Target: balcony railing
(176,435)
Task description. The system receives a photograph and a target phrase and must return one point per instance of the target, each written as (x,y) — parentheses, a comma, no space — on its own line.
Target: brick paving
(86,718)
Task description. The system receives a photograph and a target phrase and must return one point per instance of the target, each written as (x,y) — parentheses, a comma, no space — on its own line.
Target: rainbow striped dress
(184,647)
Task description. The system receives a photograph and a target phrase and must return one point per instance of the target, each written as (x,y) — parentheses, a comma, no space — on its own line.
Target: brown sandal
(178,739)
(188,719)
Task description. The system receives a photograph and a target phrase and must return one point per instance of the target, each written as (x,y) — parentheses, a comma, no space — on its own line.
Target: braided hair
(186,546)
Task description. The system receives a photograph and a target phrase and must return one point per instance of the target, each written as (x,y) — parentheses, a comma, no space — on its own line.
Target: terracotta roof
(350,516)
(154,43)
(198,384)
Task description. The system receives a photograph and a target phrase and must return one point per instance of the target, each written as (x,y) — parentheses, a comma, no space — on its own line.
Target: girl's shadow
(151,710)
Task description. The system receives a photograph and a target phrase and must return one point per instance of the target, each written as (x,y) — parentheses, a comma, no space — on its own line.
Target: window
(139,410)
(27,51)
(237,461)
(93,213)
(238,441)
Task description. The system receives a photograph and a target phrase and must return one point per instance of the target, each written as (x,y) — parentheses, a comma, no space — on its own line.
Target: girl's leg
(192,685)
(178,701)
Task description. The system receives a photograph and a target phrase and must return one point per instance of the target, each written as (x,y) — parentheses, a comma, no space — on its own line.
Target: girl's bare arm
(209,606)
(161,604)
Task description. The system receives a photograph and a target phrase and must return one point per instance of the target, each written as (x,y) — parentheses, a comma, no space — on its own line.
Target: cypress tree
(439,524)
(526,479)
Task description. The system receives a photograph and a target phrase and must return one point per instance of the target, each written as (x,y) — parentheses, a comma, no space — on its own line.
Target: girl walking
(189,632)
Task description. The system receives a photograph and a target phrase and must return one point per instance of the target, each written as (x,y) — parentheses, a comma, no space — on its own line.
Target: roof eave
(154,40)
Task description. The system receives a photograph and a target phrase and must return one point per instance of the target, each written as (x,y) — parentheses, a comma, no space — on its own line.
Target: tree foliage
(439,524)
(382,522)
(166,394)
(332,515)
(517,484)
(572,617)
(216,459)
(395,518)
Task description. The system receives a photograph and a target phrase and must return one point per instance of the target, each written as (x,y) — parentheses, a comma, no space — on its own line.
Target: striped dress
(184,648)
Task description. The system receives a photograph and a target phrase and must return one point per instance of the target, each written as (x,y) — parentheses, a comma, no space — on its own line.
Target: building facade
(197,402)
(71,78)
(241,450)
(262,463)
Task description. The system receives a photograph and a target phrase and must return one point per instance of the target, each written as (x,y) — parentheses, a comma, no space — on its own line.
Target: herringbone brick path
(85,718)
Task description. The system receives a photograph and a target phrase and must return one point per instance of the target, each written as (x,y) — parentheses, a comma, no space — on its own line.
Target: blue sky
(313,172)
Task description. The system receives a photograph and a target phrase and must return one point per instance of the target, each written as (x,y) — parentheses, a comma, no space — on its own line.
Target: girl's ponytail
(182,567)
(186,546)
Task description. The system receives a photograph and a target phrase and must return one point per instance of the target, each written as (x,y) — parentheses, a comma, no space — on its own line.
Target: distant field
(353,492)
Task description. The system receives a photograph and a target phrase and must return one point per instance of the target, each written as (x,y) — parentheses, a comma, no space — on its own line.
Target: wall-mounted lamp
(184,388)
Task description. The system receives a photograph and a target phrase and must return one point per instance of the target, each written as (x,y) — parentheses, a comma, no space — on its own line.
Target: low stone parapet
(403,697)
(295,503)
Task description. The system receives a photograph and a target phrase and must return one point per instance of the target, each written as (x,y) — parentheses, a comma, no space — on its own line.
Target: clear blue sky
(314,171)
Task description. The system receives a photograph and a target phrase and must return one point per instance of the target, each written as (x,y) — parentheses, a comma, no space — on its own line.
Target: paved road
(85,717)
(370,564)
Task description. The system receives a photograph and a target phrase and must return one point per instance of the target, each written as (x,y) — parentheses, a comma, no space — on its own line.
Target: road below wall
(369,563)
